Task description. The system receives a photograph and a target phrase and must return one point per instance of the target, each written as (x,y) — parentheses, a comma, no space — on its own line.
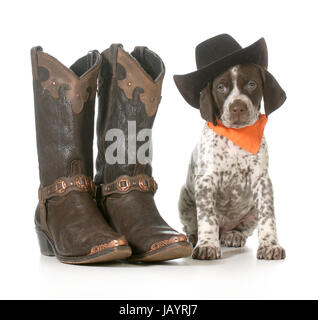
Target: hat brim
(191,84)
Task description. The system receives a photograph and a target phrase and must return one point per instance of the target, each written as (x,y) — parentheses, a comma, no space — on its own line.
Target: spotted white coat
(227,194)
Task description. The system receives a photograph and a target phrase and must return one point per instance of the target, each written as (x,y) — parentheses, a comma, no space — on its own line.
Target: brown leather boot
(68,222)
(129,94)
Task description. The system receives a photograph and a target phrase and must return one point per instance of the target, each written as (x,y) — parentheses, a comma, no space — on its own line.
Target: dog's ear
(274,96)
(208,108)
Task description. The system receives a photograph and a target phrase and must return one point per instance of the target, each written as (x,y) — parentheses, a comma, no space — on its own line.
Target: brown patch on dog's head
(274,96)
(235,96)
(208,108)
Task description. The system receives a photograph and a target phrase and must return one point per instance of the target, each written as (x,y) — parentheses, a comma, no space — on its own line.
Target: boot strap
(65,185)
(125,184)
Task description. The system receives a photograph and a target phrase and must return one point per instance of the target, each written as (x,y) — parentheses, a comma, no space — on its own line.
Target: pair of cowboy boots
(78,220)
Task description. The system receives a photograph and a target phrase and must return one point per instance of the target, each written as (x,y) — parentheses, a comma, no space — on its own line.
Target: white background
(67,30)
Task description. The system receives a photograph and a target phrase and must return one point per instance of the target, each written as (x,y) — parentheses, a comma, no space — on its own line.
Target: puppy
(228,192)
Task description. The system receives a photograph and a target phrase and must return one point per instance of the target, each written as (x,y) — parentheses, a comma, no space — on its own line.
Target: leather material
(78,89)
(64,116)
(116,108)
(130,90)
(135,215)
(76,225)
(137,77)
(65,185)
(125,184)
(62,135)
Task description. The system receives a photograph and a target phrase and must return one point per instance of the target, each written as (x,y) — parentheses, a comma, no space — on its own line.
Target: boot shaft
(64,100)
(129,93)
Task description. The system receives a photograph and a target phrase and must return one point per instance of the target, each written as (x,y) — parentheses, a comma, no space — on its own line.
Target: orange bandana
(248,138)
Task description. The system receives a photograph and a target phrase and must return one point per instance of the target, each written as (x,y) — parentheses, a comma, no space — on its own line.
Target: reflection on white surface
(238,275)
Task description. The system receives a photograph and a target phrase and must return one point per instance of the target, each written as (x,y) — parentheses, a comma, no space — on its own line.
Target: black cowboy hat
(213,57)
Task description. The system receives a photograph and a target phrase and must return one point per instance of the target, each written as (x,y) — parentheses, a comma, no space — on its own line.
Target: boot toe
(171,248)
(172,240)
(102,252)
(108,245)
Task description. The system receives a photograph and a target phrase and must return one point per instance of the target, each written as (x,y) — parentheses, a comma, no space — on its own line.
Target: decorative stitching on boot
(125,184)
(77,93)
(136,77)
(105,246)
(65,185)
(163,243)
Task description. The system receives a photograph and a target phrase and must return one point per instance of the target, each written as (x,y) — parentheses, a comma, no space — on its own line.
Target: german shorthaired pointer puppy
(228,192)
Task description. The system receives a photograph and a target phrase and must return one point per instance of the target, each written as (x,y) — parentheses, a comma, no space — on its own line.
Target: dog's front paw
(206,252)
(271,252)
(233,239)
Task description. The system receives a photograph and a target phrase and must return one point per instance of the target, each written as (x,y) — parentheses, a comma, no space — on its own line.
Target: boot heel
(45,246)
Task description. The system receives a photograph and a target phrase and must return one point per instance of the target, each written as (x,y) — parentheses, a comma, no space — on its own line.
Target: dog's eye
(221,88)
(251,85)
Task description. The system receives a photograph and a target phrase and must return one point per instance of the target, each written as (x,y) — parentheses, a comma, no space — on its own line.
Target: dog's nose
(238,107)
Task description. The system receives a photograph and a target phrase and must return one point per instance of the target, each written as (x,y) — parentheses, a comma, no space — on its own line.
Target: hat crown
(214,49)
